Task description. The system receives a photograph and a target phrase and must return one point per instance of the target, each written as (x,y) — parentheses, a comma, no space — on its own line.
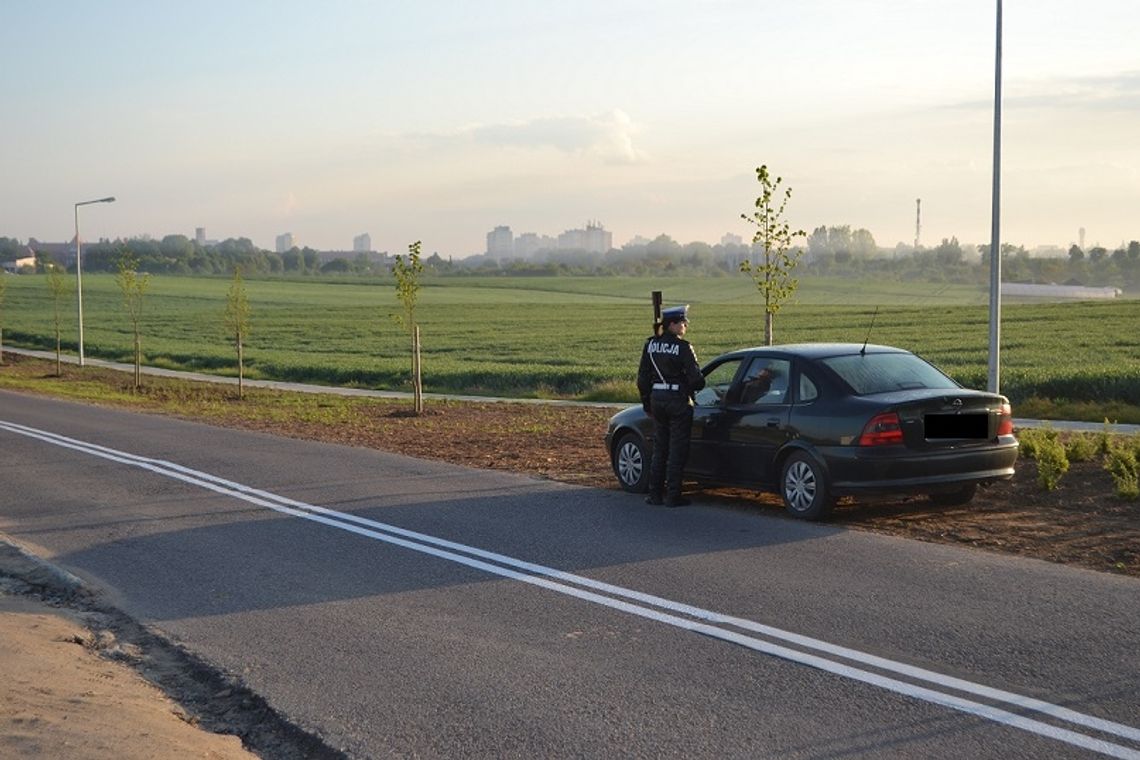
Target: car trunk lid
(952,420)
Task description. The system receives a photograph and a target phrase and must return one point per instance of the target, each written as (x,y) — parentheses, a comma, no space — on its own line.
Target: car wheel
(631,463)
(804,488)
(955,498)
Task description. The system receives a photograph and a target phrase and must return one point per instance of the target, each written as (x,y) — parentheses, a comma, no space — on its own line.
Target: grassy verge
(206,401)
(1085,411)
(218,403)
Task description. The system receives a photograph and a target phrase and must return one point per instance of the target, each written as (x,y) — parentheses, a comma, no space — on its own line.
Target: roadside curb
(35,573)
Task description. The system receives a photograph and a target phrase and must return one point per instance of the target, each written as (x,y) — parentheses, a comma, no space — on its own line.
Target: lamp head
(108,199)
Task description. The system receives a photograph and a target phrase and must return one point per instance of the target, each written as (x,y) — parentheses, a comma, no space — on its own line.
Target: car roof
(817,350)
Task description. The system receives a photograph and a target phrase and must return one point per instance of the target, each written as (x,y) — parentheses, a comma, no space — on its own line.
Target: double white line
(927,685)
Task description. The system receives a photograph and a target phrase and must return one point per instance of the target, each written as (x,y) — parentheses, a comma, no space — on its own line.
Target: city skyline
(594,239)
(434,123)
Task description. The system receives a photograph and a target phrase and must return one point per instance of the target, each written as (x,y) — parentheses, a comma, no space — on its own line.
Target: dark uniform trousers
(666,377)
(672,427)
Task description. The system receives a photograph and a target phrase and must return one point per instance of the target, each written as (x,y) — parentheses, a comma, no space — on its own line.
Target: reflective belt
(666,387)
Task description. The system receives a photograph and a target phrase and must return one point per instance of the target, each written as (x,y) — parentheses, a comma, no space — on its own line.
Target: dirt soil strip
(69,690)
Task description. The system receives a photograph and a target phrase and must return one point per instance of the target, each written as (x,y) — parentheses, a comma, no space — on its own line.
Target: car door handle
(773,422)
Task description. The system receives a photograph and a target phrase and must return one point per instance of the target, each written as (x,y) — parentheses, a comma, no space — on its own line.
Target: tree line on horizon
(828,250)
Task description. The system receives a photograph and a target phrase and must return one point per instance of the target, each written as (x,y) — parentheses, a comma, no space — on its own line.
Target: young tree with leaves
(407,273)
(772,274)
(60,288)
(237,323)
(133,287)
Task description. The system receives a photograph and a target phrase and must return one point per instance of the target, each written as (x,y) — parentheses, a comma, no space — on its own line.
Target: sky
(437,121)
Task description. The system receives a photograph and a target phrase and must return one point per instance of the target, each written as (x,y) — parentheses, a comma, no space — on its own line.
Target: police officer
(667,378)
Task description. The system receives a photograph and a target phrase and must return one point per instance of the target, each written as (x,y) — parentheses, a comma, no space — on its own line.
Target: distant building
(18,264)
(729,238)
(500,243)
(201,239)
(572,240)
(285,242)
(61,253)
(594,239)
(598,239)
(362,243)
(528,244)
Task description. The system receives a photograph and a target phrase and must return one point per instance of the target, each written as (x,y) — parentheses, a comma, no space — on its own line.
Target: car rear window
(883,373)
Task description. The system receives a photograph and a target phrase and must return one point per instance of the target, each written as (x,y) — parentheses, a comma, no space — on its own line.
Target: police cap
(675,314)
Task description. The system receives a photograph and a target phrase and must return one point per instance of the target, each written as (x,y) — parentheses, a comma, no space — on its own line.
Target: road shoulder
(62,698)
(82,679)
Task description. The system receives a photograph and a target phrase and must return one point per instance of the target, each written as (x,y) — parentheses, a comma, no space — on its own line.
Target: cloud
(606,137)
(1120,92)
(1116,92)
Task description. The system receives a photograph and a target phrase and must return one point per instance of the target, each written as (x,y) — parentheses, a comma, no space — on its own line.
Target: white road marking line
(538,574)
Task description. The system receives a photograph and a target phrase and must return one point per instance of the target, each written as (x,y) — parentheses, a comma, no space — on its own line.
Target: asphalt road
(398,607)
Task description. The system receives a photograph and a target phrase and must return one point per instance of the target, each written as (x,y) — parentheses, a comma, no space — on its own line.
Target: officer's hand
(647,408)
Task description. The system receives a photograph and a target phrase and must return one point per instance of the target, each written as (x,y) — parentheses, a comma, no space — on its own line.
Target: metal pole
(994,378)
(79,269)
(79,282)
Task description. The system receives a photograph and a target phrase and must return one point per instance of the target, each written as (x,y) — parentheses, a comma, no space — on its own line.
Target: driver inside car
(756,384)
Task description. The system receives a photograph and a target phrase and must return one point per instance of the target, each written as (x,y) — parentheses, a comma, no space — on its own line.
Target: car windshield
(883,373)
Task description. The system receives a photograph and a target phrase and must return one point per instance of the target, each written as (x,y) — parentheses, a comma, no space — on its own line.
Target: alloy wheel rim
(629,464)
(800,486)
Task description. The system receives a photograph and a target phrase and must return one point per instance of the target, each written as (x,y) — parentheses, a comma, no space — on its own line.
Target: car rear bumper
(856,469)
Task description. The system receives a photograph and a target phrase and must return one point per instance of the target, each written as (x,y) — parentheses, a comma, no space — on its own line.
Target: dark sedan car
(816,421)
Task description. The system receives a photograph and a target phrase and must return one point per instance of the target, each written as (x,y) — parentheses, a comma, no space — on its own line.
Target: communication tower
(917,221)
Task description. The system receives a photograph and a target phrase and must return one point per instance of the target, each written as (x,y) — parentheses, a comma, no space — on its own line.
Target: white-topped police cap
(675,314)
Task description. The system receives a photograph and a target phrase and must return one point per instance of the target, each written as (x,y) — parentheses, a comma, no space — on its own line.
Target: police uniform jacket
(670,364)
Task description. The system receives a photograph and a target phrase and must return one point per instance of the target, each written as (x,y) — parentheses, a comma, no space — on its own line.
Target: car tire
(804,488)
(631,463)
(956,498)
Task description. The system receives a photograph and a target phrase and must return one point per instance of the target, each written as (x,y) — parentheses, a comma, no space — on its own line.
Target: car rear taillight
(883,429)
(1005,420)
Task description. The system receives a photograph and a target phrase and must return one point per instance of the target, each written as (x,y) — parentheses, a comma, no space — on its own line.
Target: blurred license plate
(957,426)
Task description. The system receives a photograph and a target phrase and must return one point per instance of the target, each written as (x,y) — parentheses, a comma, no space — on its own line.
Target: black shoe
(680,501)
(653,500)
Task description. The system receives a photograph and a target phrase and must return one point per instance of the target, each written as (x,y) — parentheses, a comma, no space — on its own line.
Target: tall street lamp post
(993,375)
(79,268)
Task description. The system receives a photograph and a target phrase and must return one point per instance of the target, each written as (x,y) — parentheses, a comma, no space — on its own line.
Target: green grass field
(580,336)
